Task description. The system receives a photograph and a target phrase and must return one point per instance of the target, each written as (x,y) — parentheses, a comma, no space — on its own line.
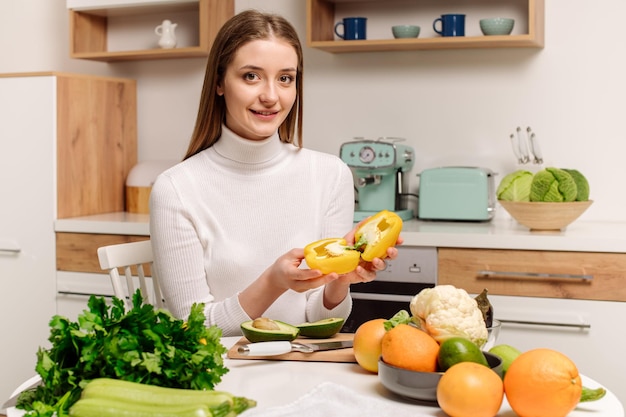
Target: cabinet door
(588,332)
(27,211)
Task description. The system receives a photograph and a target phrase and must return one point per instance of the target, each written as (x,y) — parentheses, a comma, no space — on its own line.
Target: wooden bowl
(545,216)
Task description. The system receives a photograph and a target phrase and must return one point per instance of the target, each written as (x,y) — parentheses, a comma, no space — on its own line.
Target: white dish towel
(331,399)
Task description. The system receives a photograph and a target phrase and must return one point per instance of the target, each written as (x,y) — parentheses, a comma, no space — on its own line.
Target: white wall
(454,107)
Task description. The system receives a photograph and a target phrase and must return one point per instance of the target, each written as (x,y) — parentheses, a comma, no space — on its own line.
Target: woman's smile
(266,114)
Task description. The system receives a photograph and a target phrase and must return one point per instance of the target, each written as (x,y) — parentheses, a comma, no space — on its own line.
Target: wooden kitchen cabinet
(78,252)
(569,275)
(382,14)
(79,275)
(67,143)
(123,30)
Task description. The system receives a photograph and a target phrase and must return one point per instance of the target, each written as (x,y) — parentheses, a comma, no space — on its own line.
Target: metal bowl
(420,385)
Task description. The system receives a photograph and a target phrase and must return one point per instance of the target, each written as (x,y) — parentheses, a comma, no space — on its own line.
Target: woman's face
(259,87)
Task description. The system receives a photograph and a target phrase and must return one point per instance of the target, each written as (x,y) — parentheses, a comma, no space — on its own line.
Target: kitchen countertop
(583,236)
(119,223)
(500,233)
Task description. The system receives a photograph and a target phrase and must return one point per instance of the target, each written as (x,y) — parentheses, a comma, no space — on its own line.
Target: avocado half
(254,334)
(321,329)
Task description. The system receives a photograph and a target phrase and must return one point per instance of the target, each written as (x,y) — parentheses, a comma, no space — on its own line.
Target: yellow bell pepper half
(377,234)
(331,255)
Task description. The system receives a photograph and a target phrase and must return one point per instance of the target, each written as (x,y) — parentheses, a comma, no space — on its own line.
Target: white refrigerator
(27,214)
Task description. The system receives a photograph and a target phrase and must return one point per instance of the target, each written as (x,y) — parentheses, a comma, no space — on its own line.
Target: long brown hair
(242,28)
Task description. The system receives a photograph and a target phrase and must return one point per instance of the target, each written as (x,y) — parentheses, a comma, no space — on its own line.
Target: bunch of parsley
(143,344)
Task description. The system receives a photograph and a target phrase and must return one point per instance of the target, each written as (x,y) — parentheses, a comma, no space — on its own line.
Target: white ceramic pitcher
(166,31)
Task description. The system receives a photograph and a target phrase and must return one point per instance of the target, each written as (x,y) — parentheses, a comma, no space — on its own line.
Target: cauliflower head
(445,311)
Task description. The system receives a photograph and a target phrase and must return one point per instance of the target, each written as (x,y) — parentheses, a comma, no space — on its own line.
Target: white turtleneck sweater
(221,217)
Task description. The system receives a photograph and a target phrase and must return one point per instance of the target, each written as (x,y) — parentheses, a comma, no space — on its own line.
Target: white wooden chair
(124,256)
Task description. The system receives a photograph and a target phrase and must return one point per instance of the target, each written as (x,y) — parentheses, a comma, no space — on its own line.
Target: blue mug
(451,25)
(353,28)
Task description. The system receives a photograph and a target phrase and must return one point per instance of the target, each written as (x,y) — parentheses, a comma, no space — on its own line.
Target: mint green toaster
(456,193)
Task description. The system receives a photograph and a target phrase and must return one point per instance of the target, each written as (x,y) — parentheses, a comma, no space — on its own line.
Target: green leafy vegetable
(582,185)
(553,185)
(515,186)
(401,317)
(142,345)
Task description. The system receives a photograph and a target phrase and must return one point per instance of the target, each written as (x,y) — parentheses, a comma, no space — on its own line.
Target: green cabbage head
(515,186)
(582,185)
(553,185)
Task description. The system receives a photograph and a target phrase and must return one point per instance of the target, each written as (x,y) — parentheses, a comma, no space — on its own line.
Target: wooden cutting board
(337,355)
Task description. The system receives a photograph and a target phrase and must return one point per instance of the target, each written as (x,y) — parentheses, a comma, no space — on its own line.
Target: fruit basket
(545,216)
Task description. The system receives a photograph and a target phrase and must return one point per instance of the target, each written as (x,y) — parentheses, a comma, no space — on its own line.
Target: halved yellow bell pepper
(377,234)
(331,255)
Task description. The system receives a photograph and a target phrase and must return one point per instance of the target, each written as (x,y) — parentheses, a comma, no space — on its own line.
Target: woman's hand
(366,271)
(286,274)
(337,289)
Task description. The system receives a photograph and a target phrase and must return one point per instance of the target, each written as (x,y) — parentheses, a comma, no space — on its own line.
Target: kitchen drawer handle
(543,323)
(532,275)
(84,294)
(10,250)
(9,246)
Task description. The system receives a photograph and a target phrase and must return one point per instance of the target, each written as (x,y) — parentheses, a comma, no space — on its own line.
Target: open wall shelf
(323,14)
(119,30)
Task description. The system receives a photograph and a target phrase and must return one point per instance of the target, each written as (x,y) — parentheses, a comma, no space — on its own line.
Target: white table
(274,383)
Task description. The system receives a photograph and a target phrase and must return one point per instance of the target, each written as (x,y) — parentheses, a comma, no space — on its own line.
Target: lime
(507,353)
(459,349)
(321,329)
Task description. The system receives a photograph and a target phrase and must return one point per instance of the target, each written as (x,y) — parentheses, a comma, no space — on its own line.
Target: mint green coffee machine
(379,167)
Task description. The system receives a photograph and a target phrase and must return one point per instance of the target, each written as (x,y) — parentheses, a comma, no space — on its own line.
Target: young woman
(228,224)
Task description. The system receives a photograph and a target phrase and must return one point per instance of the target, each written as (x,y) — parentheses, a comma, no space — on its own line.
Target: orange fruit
(542,383)
(469,389)
(408,347)
(367,344)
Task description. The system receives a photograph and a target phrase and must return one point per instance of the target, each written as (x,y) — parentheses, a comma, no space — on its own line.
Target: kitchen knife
(536,150)
(523,146)
(281,347)
(520,160)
